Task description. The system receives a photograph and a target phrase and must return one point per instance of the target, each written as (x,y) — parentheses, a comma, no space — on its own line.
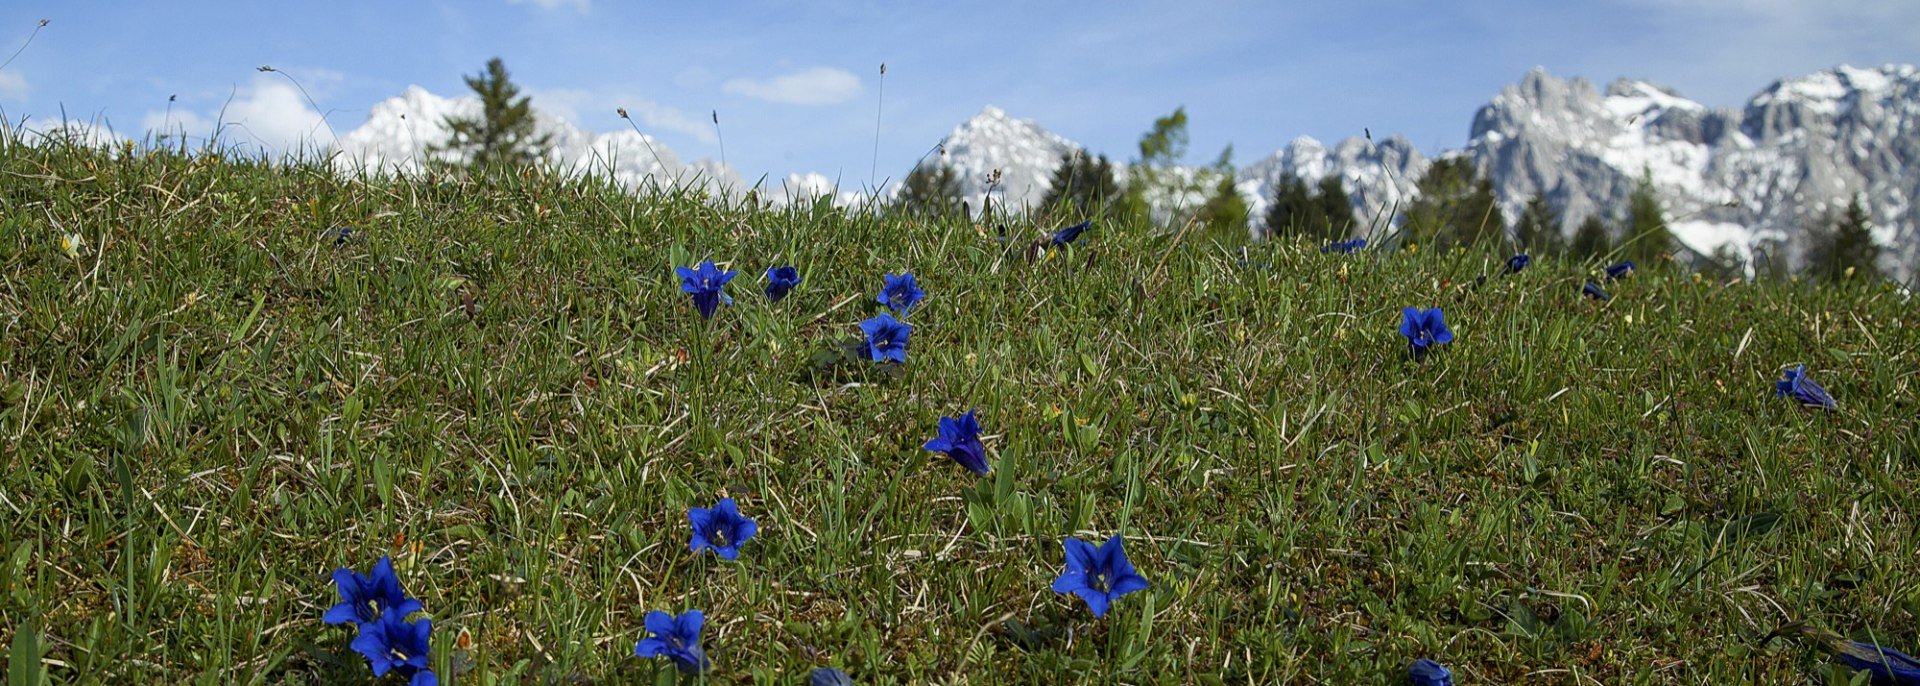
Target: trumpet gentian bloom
(960,439)
(1592,290)
(720,529)
(1620,270)
(901,293)
(1796,385)
(1425,672)
(886,338)
(828,676)
(364,598)
(392,644)
(1424,328)
(675,638)
(780,281)
(1098,575)
(1071,233)
(707,284)
(1518,262)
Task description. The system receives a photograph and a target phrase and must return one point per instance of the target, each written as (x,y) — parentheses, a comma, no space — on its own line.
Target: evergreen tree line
(1456,207)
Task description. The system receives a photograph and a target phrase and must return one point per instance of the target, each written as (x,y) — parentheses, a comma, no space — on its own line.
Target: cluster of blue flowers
(1346,247)
(378,609)
(1098,575)
(707,283)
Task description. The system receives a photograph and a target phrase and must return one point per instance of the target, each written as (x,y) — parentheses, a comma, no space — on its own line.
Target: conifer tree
(504,132)
(1647,239)
(1538,231)
(930,190)
(1846,242)
(1292,211)
(1225,212)
(1590,240)
(1082,187)
(1455,207)
(1336,208)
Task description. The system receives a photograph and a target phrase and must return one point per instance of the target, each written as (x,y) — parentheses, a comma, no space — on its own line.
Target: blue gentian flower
(720,529)
(901,293)
(828,676)
(1347,247)
(707,285)
(1885,665)
(676,638)
(1592,290)
(364,598)
(1620,270)
(1071,233)
(780,281)
(341,235)
(1518,262)
(392,644)
(1424,328)
(960,439)
(1425,672)
(1796,385)
(886,338)
(1098,575)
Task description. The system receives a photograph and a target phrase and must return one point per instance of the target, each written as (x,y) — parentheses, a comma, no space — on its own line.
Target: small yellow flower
(70,244)
(1629,320)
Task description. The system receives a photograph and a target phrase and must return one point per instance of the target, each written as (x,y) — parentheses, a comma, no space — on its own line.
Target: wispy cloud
(268,113)
(580,5)
(814,86)
(13,85)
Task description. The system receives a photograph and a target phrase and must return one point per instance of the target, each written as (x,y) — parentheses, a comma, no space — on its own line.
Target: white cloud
(567,103)
(815,86)
(13,85)
(580,5)
(269,114)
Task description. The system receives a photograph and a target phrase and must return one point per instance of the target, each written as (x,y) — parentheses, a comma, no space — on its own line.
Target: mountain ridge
(1746,179)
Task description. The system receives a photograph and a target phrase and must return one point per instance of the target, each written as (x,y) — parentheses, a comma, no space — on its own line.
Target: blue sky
(795,83)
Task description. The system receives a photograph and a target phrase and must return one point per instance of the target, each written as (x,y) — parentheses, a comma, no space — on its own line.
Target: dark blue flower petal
(1886,665)
(960,439)
(706,283)
(780,281)
(675,638)
(1796,385)
(1425,672)
(886,338)
(828,676)
(900,293)
(1070,234)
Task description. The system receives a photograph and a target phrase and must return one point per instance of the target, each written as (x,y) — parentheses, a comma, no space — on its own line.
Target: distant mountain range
(1755,176)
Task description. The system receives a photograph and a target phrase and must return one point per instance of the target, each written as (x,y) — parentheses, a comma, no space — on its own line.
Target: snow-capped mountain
(1023,153)
(1759,175)
(1379,178)
(400,132)
(1763,174)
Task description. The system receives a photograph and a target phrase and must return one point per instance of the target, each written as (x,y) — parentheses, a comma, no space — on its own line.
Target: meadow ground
(206,407)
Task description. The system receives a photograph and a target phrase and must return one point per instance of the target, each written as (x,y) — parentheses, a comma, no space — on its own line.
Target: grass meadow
(207,406)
